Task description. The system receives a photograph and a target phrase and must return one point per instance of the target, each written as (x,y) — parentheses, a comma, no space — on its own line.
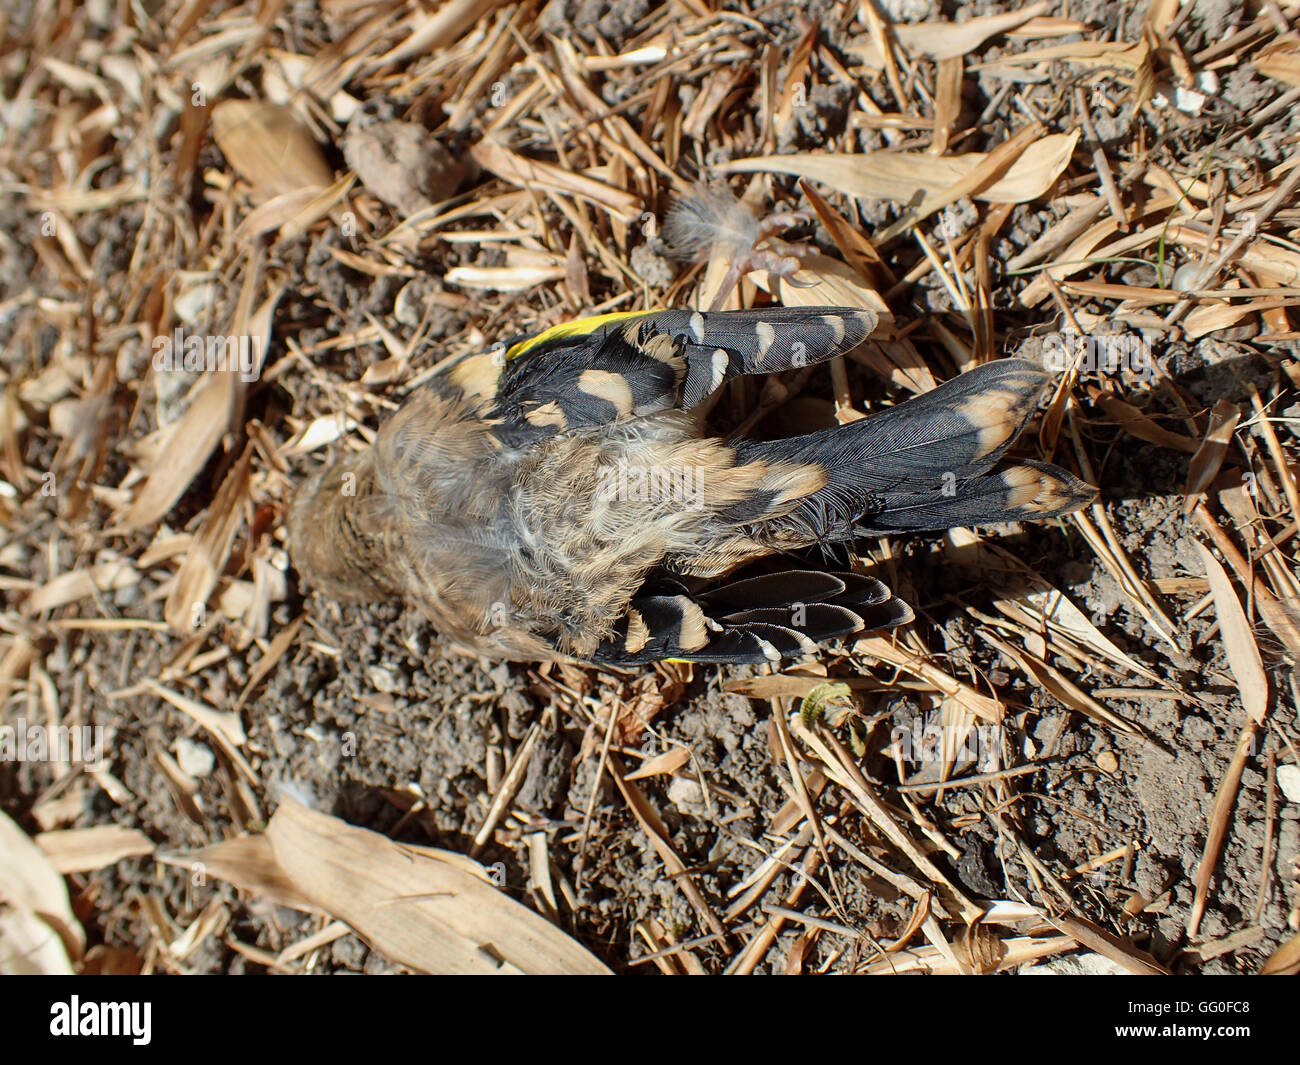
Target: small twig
(978,778)
(1270,811)
(677,948)
(1099,160)
(810,921)
(509,787)
(614,714)
(1279,457)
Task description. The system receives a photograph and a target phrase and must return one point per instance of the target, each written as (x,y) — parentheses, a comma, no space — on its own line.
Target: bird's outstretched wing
(768,618)
(597,370)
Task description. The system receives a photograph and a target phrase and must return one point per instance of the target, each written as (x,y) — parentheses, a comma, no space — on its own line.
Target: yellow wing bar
(580,327)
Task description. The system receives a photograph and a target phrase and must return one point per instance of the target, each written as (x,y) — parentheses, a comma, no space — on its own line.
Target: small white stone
(1188,101)
(383,679)
(195,759)
(686,795)
(1288,779)
(1185,277)
(193,302)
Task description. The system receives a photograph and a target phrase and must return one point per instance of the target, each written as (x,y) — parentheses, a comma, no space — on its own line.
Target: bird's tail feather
(933,462)
(1024,491)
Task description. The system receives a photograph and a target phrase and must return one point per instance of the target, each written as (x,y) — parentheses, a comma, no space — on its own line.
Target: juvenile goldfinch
(562,499)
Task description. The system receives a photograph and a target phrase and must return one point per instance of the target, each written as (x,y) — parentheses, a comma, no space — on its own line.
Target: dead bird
(562,498)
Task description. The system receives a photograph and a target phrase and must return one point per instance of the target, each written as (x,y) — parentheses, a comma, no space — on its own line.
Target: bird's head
(337,540)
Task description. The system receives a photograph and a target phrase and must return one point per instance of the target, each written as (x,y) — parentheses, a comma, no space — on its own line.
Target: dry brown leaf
(427,31)
(947,103)
(884,650)
(947,40)
(206,560)
(1144,427)
(821,280)
(72,201)
(920,913)
(665,764)
(1030,596)
(857,250)
(1281,60)
(1017,951)
(212,921)
(275,650)
(791,685)
(1062,687)
(275,212)
(1215,316)
(1275,613)
(1161,14)
(30,884)
(247,862)
(191,439)
(1225,798)
(1087,247)
(899,176)
(1088,934)
(412,906)
(256,322)
(316,208)
(292,212)
(1238,639)
(1268,262)
(30,947)
(83,850)
(1209,457)
(529,173)
(15,663)
(1048,26)
(224,725)
(81,584)
(1285,961)
(1124,54)
(269,147)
